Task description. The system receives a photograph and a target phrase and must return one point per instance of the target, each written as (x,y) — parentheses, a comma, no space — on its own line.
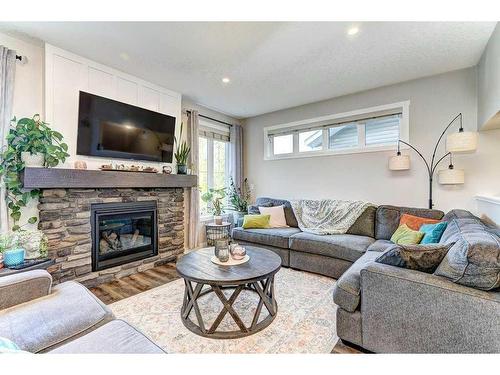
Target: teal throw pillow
(432,232)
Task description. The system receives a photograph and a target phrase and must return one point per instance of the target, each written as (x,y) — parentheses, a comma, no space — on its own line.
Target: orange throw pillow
(415,222)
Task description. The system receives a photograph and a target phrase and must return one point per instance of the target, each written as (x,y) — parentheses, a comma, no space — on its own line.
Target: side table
(217,232)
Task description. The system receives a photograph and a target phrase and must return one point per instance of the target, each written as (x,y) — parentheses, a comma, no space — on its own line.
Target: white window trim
(403,107)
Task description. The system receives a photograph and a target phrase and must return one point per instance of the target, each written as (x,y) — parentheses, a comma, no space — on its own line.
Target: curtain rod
(211,118)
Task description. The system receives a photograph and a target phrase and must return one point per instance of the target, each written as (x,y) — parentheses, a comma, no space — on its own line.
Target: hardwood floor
(136,283)
(152,278)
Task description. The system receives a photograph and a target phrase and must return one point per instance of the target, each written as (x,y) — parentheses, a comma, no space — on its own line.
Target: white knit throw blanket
(327,216)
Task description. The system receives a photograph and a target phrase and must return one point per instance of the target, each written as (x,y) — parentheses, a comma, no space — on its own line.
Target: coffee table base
(193,291)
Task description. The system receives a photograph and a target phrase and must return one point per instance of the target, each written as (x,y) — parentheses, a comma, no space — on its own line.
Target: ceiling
(271,65)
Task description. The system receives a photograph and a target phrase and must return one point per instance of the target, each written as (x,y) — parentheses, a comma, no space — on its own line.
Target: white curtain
(194,195)
(7,73)
(236,139)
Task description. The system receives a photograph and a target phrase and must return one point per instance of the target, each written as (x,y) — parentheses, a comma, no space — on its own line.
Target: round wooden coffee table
(201,277)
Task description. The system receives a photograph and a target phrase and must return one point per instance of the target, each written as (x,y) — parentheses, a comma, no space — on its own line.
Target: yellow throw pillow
(256,221)
(406,236)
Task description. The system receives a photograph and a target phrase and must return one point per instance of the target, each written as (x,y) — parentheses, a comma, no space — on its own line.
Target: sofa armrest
(23,287)
(406,311)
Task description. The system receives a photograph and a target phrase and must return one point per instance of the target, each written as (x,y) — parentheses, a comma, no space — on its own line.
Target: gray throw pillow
(474,260)
(424,258)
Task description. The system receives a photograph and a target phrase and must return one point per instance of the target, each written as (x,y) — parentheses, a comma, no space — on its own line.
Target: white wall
(434,102)
(66,74)
(28,85)
(489,84)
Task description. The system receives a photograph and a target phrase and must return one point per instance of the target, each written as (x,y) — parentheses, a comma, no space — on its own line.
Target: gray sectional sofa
(66,318)
(386,309)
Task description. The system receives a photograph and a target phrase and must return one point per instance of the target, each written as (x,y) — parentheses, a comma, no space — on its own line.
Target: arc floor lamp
(460,142)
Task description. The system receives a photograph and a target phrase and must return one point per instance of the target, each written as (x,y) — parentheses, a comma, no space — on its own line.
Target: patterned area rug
(305,322)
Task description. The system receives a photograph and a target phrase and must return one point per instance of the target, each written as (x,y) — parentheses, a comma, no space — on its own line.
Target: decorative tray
(230,262)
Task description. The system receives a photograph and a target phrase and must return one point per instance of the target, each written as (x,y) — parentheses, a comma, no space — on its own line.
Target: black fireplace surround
(123,233)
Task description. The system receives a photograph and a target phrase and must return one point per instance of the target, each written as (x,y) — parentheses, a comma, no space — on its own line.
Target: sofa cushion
(68,311)
(115,337)
(291,220)
(380,246)
(458,214)
(387,218)
(346,292)
(342,246)
(365,224)
(277,237)
(474,259)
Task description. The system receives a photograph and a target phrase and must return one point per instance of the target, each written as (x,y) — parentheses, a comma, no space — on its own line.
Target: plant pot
(33,160)
(13,257)
(1,261)
(218,220)
(181,169)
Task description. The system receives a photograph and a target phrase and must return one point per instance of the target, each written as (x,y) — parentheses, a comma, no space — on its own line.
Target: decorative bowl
(238,252)
(13,257)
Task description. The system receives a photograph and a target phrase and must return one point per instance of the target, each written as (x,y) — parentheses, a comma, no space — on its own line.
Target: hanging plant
(34,137)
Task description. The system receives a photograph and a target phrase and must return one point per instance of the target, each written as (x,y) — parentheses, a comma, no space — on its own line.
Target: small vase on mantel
(181,169)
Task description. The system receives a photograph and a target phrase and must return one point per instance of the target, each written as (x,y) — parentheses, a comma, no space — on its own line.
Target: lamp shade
(399,162)
(461,142)
(451,176)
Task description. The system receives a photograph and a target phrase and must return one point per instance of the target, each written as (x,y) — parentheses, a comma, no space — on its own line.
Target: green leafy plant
(34,136)
(214,198)
(7,241)
(182,149)
(239,197)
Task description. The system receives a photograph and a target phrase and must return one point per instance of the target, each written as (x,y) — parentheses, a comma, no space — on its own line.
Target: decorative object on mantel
(167,169)
(181,154)
(216,232)
(80,164)
(460,142)
(29,140)
(214,199)
(34,242)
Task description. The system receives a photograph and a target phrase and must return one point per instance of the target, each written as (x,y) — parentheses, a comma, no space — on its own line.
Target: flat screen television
(113,129)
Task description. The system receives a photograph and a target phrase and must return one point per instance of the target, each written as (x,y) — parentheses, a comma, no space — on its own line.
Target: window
(283,144)
(372,129)
(213,164)
(343,137)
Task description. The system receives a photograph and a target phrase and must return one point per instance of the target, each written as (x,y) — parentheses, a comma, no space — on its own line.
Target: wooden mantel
(51,178)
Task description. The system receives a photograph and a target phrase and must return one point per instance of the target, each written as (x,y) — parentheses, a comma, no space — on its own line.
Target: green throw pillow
(256,221)
(406,236)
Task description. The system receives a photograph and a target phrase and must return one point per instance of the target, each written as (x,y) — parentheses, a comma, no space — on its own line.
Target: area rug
(305,322)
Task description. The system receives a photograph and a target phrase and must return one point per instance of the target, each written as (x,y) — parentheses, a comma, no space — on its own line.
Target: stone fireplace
(107,225)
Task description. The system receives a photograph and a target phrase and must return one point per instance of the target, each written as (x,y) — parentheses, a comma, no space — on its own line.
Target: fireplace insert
(123,233)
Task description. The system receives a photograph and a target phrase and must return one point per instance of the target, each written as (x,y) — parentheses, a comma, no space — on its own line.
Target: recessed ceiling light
(226,80)
(353,30)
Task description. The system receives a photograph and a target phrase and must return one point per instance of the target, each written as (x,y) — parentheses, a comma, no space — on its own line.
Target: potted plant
(181,155)
(239,198)
(28,140)
(7,242)
(215,197)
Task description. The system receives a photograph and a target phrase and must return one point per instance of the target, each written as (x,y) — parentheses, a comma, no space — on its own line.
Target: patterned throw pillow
(424,258)
(415,222)
(256,221)
(433,232)
(406,236)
